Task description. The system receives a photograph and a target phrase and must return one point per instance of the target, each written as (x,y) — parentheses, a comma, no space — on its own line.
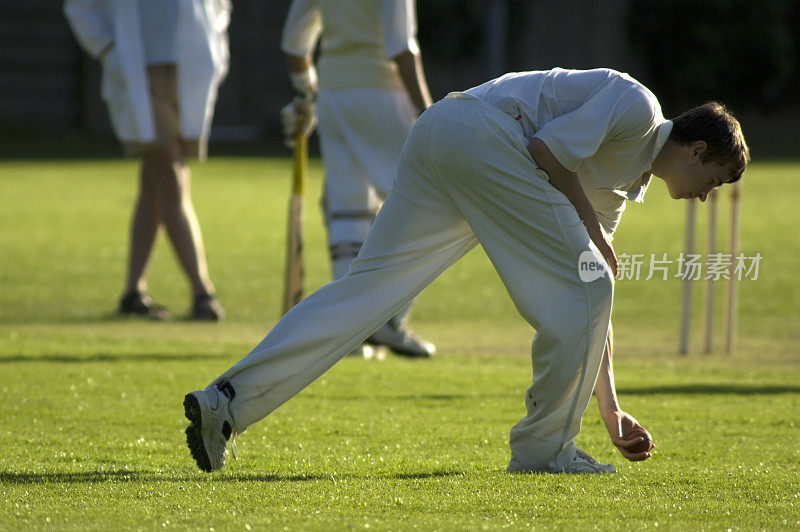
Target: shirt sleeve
(399,22)
(617,110)
(302,28)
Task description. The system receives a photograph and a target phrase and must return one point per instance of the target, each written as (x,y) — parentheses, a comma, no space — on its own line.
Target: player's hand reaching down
(632,439)
(605,248)
(298,118)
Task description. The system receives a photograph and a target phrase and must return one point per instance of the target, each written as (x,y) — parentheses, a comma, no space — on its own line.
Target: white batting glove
(304,82)
(298,118)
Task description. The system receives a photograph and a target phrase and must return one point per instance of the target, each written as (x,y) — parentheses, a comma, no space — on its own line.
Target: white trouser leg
(416,236)
(534,238)
(361,132)
(349,204)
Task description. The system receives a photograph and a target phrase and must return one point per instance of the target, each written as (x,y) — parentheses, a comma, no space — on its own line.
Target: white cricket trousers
(361,134)
(464,176)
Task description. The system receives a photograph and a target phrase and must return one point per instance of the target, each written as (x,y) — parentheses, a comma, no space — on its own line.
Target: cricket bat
(293,274)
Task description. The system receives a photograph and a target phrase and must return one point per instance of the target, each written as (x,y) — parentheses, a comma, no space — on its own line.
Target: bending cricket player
(536,167)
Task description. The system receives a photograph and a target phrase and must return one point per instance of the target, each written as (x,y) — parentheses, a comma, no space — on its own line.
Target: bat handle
(300,164)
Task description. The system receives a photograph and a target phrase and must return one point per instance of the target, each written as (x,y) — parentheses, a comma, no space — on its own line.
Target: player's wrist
(607,403)
(609,410)
(305,83)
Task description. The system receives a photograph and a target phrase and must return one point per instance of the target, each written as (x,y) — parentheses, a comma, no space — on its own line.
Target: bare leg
(144,228)
(145,223)
(164,168)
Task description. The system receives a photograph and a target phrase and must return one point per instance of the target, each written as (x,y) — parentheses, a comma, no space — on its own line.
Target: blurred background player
(163,61)
(371,89)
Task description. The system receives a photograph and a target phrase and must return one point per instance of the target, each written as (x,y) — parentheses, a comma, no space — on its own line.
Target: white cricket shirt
(601,124)
(359,39)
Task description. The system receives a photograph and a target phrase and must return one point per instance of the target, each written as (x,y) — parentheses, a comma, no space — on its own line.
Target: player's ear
(697,149)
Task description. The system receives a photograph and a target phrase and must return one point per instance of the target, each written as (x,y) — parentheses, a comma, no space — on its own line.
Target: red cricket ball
(643,446)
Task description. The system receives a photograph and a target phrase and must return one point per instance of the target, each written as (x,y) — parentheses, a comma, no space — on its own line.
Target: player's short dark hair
(721,132)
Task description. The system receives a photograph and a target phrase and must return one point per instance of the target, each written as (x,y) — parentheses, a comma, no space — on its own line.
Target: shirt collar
(636,190)
(664,129)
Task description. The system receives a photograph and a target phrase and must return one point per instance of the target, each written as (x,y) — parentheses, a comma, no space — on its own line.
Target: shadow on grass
(306,478)
(712,389)
(106,317)
(107,357)
(99,477)
(89,477)
(448,396)
(414,397)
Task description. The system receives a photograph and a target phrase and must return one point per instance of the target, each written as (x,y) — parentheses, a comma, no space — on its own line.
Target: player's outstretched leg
(416,236)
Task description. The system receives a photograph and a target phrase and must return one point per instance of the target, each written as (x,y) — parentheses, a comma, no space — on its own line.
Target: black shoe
(206,307)
(138,304)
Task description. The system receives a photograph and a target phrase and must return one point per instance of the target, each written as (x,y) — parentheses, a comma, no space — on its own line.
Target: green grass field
(92,425)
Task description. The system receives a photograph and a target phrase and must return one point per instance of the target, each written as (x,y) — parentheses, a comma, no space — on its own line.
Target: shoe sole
(155,316)
(589,472)
(412,354)
(203,316)
(194,433)
(408,353)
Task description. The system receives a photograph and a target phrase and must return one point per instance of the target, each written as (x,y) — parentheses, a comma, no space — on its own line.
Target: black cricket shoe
(139,304)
